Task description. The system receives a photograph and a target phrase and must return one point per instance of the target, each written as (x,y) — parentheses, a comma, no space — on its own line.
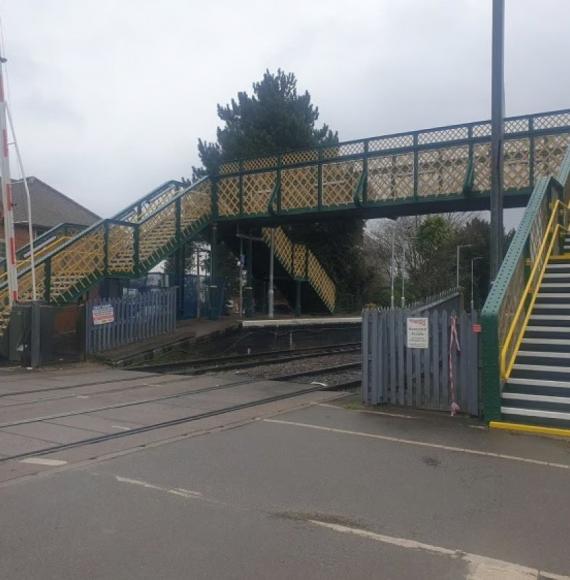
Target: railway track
(174,422)
(187,393)
(235,362)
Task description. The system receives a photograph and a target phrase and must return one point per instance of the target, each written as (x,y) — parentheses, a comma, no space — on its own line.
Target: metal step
(546,355)
(556,320)
(552,308)
(556,276)
(546,345)
(541,368)
(536,398)
(550,332)
(544,372)
(538,413)
(539,383)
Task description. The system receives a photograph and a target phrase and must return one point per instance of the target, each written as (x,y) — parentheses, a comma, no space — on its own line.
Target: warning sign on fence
(417,333)
(103,314)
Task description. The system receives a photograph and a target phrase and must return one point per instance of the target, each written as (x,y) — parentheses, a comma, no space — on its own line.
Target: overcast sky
(110,96)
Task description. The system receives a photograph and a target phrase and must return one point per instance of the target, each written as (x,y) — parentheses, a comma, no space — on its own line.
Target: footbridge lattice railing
(394,170)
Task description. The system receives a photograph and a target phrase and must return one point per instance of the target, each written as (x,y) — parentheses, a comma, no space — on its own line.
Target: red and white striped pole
(7,199)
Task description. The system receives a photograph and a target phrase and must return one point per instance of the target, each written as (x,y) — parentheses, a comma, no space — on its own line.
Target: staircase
(538,389)
(301,264)
(127,245)
(136,240)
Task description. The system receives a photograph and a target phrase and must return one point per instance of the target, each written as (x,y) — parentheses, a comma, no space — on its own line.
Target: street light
(473,260)
(458,258)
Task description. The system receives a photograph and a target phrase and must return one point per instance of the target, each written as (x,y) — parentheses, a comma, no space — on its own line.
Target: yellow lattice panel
(147,208)
(299,157)
(260,163)
(340,181)
(516,165)
(120,249)
(299,188)
(549,152)
(195,205)
(228,196)
(25,286)
(282,246)
(85,258)
(442,171)
(321,282)
(391,177)
(299,261)
(227,168)
(257,190)
(156,232)
(482,167)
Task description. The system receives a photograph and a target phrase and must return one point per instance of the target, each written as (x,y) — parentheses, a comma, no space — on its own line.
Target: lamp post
(393,266)
(403,271)
(458,260)
(473,260)
(497,134)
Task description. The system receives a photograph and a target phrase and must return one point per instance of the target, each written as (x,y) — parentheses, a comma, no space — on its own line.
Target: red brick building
(49,208)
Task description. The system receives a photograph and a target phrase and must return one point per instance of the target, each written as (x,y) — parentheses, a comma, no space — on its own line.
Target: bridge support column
(270,292)
(298,290)
(179,279)
(213,290)
(248,290)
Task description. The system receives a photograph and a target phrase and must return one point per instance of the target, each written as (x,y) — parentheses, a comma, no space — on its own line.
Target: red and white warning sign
(417,333)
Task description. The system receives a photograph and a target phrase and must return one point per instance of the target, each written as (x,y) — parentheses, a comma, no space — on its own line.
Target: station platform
(187,333)
(308,321)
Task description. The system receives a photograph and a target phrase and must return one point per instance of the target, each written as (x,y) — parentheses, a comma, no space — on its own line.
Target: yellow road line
(534,429)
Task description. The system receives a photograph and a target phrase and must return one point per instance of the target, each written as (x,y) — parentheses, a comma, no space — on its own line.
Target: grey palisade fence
(133,318)
(392,373)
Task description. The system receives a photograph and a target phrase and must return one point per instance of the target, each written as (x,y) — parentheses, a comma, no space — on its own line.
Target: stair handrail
(505,296)
(528,298)
(148,197)
(102,222)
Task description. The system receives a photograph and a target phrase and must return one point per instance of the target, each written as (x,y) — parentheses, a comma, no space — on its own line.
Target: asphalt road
(319,492)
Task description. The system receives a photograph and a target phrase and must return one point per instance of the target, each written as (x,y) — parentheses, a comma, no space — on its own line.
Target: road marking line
(398,415)
(42,461)
(421,444)
(121,427)
(479,567)
(187,493)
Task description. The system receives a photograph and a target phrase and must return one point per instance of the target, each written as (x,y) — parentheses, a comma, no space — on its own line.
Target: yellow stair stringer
(301,263)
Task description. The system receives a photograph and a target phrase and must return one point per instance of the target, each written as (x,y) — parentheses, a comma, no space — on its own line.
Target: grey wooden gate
(130,318)
(414,377)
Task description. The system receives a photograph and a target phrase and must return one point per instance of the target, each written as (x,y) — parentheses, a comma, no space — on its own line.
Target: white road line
(174,491)
(43,461)
(398,415)
(479,567)
(422,444)
(121,427)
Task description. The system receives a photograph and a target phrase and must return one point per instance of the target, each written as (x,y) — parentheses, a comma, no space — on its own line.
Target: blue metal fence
(115,322)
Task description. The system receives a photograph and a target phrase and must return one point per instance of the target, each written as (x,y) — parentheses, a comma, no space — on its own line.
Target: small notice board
(103,314)
(417,333)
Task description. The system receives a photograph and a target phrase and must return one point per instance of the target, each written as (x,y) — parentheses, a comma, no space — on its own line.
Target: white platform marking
(174,491)
(421,444)
(479,567)
(43,461)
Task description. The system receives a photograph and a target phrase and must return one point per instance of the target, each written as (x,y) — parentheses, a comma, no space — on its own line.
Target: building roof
(49,206)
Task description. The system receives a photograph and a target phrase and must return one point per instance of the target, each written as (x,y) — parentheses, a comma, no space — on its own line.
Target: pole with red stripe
(7,199)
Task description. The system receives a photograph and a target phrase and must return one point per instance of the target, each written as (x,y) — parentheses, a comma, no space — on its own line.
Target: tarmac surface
(308,487)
